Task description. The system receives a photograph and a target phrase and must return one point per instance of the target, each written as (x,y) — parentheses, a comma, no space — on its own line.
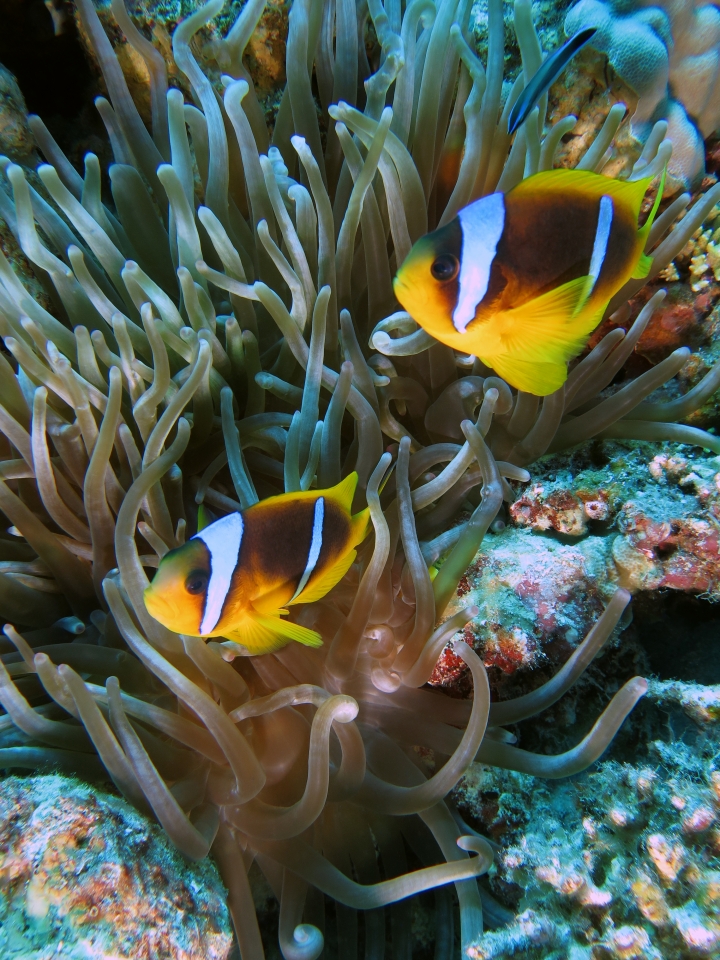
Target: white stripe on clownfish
(602,236)
(482,224)
(223,539)
(315,546)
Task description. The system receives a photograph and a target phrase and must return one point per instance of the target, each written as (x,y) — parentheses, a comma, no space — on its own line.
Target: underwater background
(508,744)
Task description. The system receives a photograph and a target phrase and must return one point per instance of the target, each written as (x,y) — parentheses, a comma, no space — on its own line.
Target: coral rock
(16,140)
(659,50)
(83,875)
(536,599)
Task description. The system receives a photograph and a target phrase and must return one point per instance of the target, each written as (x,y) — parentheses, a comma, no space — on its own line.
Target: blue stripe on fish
(315,546)
(223,539)
(546,75)
(482,225)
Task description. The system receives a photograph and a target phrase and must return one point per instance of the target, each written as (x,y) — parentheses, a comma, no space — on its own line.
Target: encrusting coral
(617,864)
(84,875)
(209,337)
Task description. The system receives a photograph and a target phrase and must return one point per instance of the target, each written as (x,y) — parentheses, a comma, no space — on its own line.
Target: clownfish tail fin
(360,527)
(644,231)
(643,267)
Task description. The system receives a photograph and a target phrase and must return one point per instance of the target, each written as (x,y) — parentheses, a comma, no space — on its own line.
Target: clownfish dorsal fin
(205,517)
(629,193)
(343,492)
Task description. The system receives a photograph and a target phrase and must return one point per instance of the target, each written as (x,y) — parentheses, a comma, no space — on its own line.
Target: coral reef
(84,875)
(659,516)
(643,520)
(669,54)
(535,598)
(222,328)
(617,863)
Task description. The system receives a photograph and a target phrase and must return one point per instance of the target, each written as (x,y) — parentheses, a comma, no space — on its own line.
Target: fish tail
(644,231)
(360,527)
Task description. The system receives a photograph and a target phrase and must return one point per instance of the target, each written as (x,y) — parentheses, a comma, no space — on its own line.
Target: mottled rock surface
(83,875)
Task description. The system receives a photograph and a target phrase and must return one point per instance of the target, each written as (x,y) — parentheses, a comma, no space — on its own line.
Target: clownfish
(236,577)
(522,279)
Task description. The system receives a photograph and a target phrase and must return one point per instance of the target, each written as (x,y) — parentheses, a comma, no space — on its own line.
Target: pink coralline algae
(677,549)
(682,554)
(536,599)
(660,518)
(565,511)
(642,522)
(84,876)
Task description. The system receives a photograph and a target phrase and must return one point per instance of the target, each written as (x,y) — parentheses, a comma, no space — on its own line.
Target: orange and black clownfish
(236,577)
(522,279)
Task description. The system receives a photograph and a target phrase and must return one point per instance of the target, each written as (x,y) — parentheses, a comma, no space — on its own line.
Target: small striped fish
(236,577)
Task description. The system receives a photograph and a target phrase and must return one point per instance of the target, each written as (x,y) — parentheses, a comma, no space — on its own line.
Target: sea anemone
(195,349)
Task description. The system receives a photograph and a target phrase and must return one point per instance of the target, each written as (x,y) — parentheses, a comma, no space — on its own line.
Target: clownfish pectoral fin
(265,634)
(530,376)
(555,324)
(324,584)
(288,630)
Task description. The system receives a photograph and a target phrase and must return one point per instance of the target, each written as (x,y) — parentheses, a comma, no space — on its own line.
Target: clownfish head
(427,282)
(446,275)
(176,597)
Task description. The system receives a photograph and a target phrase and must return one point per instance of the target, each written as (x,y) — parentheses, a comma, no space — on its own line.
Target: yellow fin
(643,267)
(645,229)
(324,584)
(344,492)
(265,634)
(548,328)
(360,527)
(627,192)
(256,638)
(530,376)
(205,517)
(291,631)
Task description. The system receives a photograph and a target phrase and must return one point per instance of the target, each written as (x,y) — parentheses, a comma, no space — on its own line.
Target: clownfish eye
(196,582)
(445,268)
